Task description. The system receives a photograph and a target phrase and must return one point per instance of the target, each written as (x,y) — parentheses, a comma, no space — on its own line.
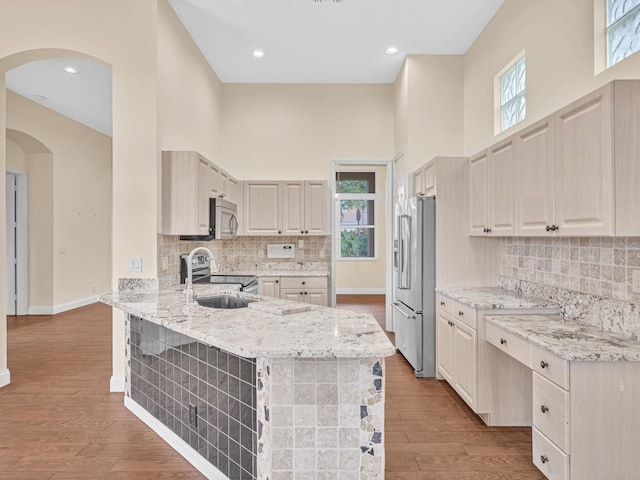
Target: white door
(11,244)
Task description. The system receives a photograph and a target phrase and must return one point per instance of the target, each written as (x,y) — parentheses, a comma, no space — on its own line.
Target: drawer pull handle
(544,408)
(460,313)
(544,458)
(543,364)
(502,341)
(442,304)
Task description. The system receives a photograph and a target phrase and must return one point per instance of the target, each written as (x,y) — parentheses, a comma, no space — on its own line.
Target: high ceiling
(304,41)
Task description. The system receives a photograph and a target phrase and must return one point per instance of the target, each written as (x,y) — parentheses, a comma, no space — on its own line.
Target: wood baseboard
(360,298)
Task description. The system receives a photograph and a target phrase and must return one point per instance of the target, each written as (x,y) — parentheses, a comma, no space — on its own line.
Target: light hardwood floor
(59,421)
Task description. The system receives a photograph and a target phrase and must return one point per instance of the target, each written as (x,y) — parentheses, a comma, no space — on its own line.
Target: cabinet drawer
(551,411)
(550,366)
(444,304)
(303,282)
(551,461)
(509,343)
(466,315)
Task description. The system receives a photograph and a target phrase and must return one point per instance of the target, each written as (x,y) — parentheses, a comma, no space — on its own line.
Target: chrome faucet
(188,284)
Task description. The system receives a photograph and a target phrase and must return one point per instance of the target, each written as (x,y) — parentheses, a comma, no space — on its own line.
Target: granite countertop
(569,339)
(314,332)
(490,298)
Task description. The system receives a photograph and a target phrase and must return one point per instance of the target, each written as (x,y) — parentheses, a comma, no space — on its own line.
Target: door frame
(22,280)
(388,234)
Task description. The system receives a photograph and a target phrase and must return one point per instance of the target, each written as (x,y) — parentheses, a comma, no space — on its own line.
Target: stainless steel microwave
(223,221)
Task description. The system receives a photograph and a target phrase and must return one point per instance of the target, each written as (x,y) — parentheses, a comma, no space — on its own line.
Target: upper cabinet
(286,208)
(584,165)
(491,190)
(188,181)
(574,173)
(535,174)
(424,180)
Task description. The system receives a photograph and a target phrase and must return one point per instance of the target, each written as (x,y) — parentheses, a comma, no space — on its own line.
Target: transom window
(356,197)
(513,102)
(623,29)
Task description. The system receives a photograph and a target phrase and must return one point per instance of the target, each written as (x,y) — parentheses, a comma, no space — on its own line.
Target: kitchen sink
(223,301)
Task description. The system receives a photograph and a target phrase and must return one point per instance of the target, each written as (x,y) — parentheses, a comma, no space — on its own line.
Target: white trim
(175,442)
(116,384)
(390,202)
(5,377)
(22,279)
(361,291)
(63,307)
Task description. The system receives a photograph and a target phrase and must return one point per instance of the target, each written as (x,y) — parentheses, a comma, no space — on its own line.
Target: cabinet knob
(304,283)
(301,293)
(460,313)
(279,231)
(277,281)
(306,293)
(442,304)
(544,408)
(485,229)
(548,229)
(555,227)
(306,231)
(221,195)
(301,231)
(451,324)
(503,341)
(544,458)
(543,364)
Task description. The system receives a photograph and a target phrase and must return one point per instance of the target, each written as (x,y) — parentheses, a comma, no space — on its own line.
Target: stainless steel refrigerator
(414,306)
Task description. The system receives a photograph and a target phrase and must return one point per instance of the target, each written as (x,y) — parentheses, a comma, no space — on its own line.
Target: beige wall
(16,158)
(76,189)
(292,132)
(558,36)
(368,274)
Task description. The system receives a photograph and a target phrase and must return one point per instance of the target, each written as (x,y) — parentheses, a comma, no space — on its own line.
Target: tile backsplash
(230,254)
(597,266)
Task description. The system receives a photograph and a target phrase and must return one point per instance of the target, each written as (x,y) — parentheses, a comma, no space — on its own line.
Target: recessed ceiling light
(39,97)
(71,70)
(391,50)
(257,54)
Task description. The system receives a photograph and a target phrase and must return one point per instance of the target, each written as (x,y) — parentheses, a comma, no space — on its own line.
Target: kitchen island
(275,390)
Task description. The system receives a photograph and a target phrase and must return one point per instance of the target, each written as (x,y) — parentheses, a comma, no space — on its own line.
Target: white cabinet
(424,180)
(535,179)
(262,208)
(189,180)
(269,286)
(584,165)
(311,290)
(229,188)
(286,208)
(444,346)
(492,191)
(478,194)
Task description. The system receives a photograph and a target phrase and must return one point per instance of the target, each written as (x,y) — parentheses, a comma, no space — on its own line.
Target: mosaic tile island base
(271,392)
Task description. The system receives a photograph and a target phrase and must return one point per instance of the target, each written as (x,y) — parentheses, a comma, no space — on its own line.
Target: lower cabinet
(311,290)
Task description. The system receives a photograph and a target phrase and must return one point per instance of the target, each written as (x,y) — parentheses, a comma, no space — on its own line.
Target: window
(513,102)
(623,29)
(356,197)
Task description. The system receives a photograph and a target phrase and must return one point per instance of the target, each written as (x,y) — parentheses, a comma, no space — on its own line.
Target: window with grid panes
(623,29)
(356,197)
(513,101)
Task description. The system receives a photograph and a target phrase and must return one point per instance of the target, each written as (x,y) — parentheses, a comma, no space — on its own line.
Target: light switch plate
(635,280)
(134,264)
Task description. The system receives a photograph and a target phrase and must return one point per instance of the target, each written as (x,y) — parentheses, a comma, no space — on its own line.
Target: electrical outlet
(635,280)
(300,243)
(321,253)
(193,415)
(134,264)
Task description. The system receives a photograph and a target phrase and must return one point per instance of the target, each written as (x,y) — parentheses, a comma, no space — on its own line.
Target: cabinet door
(291,294)
(315,297)
(233,190)
(478,211)
(465,363)
(215,182)
(502,194)
(418,182)
(535,178)
(316,208)
(293,208)
(584,165)
(444,346)
(204,192)
(262,208)
(269,287)
(429,179)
